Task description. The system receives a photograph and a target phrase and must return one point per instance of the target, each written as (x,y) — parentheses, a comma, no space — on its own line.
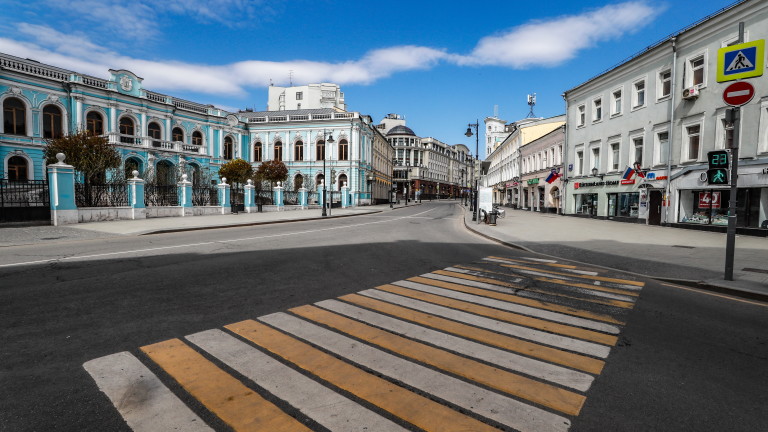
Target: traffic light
(718,176)
(718,172)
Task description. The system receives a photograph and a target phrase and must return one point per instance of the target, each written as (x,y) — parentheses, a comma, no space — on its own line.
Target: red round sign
(738,93)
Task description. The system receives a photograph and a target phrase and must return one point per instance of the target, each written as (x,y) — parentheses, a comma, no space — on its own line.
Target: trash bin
(492,217)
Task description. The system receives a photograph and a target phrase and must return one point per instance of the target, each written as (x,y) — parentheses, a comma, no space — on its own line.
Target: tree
(90,155)
(272,171)
(236,171)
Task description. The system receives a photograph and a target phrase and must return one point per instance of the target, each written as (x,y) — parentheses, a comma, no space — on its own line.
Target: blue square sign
(740,61)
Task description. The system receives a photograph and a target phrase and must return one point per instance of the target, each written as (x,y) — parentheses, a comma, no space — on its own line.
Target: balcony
(149,143)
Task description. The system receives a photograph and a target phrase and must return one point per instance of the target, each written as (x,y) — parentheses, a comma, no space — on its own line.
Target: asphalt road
(685,360)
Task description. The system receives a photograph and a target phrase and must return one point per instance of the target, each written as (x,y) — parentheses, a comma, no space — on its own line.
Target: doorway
(654,207)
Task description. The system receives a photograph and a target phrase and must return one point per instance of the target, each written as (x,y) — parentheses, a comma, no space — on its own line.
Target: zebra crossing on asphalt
(502,343)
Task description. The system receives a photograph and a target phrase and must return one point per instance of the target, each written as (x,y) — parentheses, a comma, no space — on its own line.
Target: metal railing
(264,197)
(101,195)
(205,196)
(26,193)
(161,195)
(291,198)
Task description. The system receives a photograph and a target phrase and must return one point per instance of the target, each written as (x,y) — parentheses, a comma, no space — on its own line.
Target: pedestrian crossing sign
(745,60)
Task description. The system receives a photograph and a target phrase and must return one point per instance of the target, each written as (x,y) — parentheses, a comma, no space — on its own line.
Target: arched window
(257,152)
(343,180)
(197,138)
(17,169)
(320,150)
(166,174)
(278,151)
(127,131)
(94,123)
(177,134)
(52,122)
(153,130)
(299,151)
(343,150)
(298,182)
(131,165)
(14,117)
(229,148)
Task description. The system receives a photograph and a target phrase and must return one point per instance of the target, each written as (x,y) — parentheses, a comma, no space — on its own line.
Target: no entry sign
(738,93)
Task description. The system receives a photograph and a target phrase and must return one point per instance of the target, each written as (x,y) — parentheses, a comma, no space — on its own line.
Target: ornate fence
(155,195)
(291,198)
(101,195)
(311,197)
(24,200)
(205,196)
(264,197)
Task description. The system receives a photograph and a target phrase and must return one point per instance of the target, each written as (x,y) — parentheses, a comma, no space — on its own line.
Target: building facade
(541,168)
(310,96)
(638,135)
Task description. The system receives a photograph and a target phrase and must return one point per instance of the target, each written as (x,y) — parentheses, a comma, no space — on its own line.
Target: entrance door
(654,207)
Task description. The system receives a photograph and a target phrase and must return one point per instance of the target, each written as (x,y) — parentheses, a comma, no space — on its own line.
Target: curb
(751,295)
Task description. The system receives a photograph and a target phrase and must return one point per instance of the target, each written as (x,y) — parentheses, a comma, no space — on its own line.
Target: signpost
(738,93)
(743,60)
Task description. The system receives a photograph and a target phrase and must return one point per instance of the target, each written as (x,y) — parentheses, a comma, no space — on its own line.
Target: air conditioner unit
(691,93)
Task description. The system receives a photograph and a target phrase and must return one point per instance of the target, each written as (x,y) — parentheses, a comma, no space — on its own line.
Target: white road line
(563,342)
(535,368)
(325,406)
(583,290)
(484,402)
(535,259)
(582,272)
(477,273)
(144,402)
(513,307)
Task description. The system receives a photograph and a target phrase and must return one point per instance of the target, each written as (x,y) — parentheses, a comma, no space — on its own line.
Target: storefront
(710,206)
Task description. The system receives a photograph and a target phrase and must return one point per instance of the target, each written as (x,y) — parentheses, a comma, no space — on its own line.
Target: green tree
(236,171)
(272,171)
(91,155)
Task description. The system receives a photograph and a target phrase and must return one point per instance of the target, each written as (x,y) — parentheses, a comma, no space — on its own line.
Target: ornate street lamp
(475,214)
(329,139)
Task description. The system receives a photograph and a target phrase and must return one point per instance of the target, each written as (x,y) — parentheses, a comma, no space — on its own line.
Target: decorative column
(277,196)
(136,196)
(303,198)
(224,192)
(250,201)
(185,196)
(62,192)
(345,196)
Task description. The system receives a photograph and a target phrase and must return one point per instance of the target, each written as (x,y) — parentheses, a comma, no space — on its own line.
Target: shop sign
(653,176)
(600,183)
(533,181)
(628,182)
(709,199)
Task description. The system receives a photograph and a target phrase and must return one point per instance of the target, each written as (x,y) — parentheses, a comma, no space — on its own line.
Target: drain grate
(684,247)
(754,270)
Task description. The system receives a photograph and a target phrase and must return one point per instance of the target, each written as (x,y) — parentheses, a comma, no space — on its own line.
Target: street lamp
(407,184)
(370,188)
(475,215)
(325,179)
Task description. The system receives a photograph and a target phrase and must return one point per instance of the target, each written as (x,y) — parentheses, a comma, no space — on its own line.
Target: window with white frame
(695,71)
(615,150)
(597,110)
(616,100)
(579,169)
(665,83)
(638,94)
(637,145)
(693,141)
(661,147)
(582,110)
(596,158)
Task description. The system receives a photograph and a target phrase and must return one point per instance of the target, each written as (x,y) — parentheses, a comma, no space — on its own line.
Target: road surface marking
(623,282)
(406,288)
(530,334)
(316,401)
(411,407)
(467,396)
(492,292)
(535,368)
(140,397)
(509,343)
(233,402)
(716,295)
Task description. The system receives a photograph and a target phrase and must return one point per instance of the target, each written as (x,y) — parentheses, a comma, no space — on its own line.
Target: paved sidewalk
(684,256)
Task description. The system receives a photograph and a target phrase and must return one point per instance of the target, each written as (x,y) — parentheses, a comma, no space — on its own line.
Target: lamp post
(325,179)
(370,188)
(407,181)
(475,215)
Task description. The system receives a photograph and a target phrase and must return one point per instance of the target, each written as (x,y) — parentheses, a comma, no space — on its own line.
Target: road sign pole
(730,242)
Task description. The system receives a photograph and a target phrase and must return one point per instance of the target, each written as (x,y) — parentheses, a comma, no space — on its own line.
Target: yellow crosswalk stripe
(536,323)
(600,278)
(553,355)
(233,402)
(535,391)
(515,299)
(409,406)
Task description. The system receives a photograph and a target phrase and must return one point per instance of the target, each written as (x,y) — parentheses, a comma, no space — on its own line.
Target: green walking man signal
(718,172)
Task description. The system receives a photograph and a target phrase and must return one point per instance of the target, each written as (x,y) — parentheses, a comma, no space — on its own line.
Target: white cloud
(551,43)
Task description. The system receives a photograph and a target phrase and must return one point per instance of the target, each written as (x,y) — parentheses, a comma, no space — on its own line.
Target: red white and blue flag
(628,173)
(639,172)
(553,175)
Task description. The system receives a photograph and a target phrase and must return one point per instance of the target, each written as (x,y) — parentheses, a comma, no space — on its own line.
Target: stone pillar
(250,201)
(320,193)
(61,178)
(345,196)
(224,191)
(185,196)
(136,196)
(277,196)
(303,198)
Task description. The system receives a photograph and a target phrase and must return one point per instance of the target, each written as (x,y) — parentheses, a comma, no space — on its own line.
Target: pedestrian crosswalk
(499,344)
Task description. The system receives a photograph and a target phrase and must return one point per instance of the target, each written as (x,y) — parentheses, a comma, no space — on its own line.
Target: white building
(311,96)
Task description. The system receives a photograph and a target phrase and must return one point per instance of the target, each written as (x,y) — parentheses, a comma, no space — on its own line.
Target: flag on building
(639,172)
(628,173)
(553,175)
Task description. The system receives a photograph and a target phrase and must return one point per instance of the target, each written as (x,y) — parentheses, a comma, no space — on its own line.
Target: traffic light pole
(730,242)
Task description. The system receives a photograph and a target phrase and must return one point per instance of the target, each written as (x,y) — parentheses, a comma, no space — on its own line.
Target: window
(693,134)
(229,148)
(582,115)
(662,146)
(177,134)
(52,122)
(278,151)
(17,169)
(127,130)
(344,150)
(197,138)
(580,162)
(665,83)
(597,110)
(14,117)
(615,156)
(153,130)
(298,151)
(596,158)
(639,94)
(616,105)
(257,152)
(299,96)
(320,150)
(696,67)
(94,123)
(638,144)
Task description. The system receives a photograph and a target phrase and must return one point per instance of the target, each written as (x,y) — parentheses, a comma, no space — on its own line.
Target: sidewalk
(690,257)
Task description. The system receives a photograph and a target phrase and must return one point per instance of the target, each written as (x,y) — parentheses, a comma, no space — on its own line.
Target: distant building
(310,96)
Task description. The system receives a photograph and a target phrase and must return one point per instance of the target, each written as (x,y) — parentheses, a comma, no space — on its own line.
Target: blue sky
(439,64)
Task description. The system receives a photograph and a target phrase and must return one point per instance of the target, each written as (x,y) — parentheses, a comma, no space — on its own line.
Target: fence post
(185,196)
(250,202)
(320,193)
(345,196)
(136,196)
(303,198)
(224,196)
(277,196)
(61,190)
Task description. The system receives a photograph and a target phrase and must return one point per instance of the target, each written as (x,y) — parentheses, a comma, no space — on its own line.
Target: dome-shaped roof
(401,130)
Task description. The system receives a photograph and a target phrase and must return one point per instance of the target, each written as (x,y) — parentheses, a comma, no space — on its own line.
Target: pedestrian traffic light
(718,176)
(718,159)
